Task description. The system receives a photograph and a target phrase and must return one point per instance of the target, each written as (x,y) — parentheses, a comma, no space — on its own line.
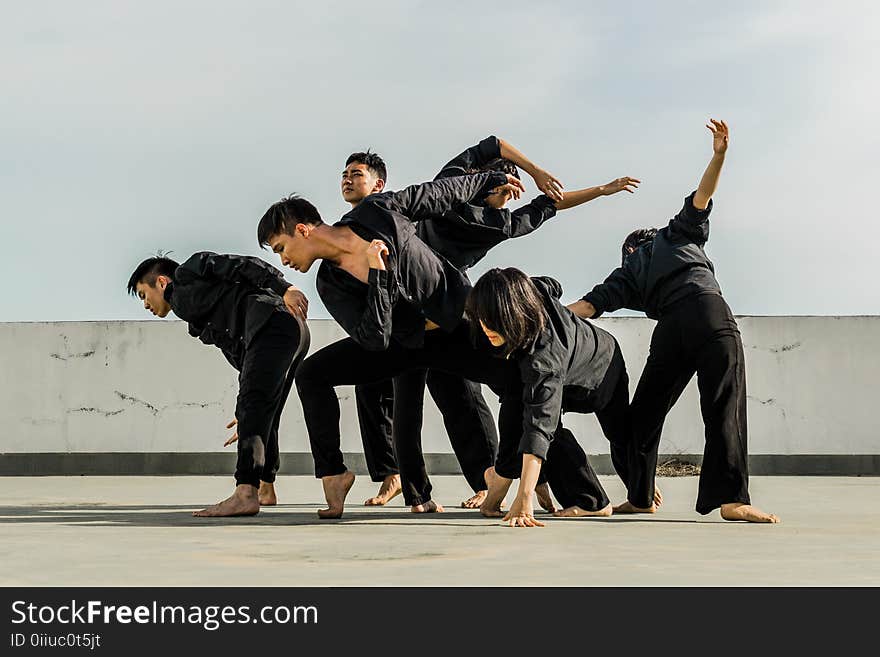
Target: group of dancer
(393,274)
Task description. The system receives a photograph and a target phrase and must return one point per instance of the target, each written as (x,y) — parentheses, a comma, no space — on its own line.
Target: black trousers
(267,374)
(390,415)
(699,335)
(375,408)
(567,468)
(347,363)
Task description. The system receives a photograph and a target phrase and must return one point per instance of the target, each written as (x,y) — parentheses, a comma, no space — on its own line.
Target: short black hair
(149,270)
(507,302)
(372,161)
(636,238)
(283,216)
(502,165)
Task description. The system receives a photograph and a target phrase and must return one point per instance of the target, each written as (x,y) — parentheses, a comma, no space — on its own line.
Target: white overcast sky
(131,127)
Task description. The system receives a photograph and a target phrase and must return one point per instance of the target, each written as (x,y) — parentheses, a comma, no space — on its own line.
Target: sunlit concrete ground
(122,531)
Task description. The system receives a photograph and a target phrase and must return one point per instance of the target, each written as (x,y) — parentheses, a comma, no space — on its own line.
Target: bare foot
(428,507)
(389,489)
(578,512)
(542,492)
(627,507)
(476,501)
(498,485)
(746,512)
(658,497)
(336,487)
(267,494)
(242,502)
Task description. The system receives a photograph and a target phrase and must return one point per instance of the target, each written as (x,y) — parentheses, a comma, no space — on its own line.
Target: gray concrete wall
(148,388)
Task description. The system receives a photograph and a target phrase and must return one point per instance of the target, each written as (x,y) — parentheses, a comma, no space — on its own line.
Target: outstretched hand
(720,136)
(620,184)
(548,184)
(296,302)
(377,254)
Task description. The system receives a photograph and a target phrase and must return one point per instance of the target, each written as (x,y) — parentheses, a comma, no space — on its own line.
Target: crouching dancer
(667,274)
(257,319)
(566,364)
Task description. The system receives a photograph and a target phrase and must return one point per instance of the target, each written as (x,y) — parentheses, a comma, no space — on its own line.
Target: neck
(335,243)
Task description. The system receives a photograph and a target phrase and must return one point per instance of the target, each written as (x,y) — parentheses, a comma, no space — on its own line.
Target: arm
(572,199)
(521,512)
(583,309)
(709,181)
(432,199)
(366,321)
(254,271)
(545,181)
(472,158)
(615,292)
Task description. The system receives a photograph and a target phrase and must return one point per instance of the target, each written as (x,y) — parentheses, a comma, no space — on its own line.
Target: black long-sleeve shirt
(226,299)
(418,284)
(671,267)
(561,369)
(466,233)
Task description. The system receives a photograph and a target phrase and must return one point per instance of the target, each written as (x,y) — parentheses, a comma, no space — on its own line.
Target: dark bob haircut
(507,302)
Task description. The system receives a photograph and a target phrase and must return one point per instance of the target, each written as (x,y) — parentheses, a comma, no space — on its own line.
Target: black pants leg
(273,454)
(667,372)
(409,406)
(375,409)
(724,476)
(570,475)
(262,383)
(469,424)
(614,415)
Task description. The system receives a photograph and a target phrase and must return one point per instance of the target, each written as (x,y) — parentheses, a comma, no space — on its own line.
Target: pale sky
(132,127)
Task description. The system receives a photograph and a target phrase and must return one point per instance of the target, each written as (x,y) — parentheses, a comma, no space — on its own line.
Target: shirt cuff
(278,285)
(378,277)
(588,297)
(535,443)
(691,211)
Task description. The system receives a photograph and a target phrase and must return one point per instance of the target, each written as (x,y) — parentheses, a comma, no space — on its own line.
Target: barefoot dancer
(566,364)
(243,306)
(667,274)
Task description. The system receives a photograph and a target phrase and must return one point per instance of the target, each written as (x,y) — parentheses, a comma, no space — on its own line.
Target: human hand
(548,184)
(296,302)
(720,136)
(621,184)
(377,253)
(522,513)
(234,436)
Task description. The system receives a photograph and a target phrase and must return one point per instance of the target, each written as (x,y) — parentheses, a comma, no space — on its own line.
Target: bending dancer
(243,306)
(400,301)
(466,415)
(463,235)
(566,364)
(666,274)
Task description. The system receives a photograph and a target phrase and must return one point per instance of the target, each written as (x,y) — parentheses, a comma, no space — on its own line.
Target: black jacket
(226,299)
(465,234)
(672,267)
(560,370)
(418,284)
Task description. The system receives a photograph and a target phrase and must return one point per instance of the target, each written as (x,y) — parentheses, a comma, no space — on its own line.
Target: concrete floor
(128,531)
